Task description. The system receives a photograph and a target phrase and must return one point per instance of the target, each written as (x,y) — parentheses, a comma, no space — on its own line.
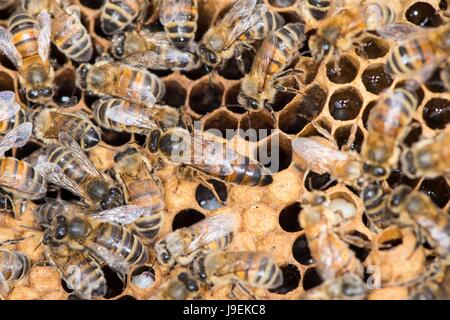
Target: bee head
(118,48)
(320,47)
(113,198)
(208,57)
(90,139)
(198,268)
(162,253)
(82,73)
(377,172)
(78,228)
(247,102)
(39,95)
(398,196)
(190,284)
(59,228)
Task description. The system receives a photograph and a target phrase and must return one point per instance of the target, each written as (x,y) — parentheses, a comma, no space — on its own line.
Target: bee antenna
(40,243)
(12,241)
(32,228)
(105,147)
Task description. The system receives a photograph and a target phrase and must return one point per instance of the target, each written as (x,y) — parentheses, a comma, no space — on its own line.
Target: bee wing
(114,261)
(170,11)
(54,174)
(130,117)
(316,155)
(68,142)
(264,58)
(45,22)
(211,229)
(17,137)
(7,109)
(122,215)
(399,31)
(240,8)
(147,59)
(9,49)
(245,23)
(7,97)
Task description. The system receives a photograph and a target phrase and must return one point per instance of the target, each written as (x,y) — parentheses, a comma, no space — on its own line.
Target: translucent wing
(8,48)
(240,8)
(211,229)
(68,142)
(245,23)
(114,261)
(4,287)
(7,108)
(54,174)
(147,59)
(130,116)
(44,21)
(170,11)
(17,137)
(263,59)
(399,31)
(24,186)
(317,156)
(122,215)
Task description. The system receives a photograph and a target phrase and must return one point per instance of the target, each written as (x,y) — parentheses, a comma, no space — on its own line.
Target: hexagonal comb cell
(256,125)
(66,92)
(6,82)
(222,123)
(206,198)
(342,137)
(437,189)
(301,252)
(231,99)
(186,218)
(291,279)
(345,103)
(342,72)
(372,47)
(175,95)
(275,153)
(436,113)
(423,14)
(375,79)
(289,216)
(205,96)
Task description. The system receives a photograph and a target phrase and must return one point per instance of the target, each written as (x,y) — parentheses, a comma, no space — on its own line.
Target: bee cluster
(350,99)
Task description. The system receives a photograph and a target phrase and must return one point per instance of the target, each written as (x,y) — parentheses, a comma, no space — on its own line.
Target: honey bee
(11,115)
(67,166)
(98,235)
(245,23)
(183,245)
(340,30)
(27,44)
(153,51)
(268,72)
(118,14)
(206,154)
(321,156)
(182,286)
(331,254)
(179,18)
(48,123)
(258,270)
(14,266)
(122,81)
(122,116)
(376,207)
(67,32)
(387,125)
(16,176)
(317,8)
(433,225)
(346,287)
(420,53)
(428,158)
(142,189)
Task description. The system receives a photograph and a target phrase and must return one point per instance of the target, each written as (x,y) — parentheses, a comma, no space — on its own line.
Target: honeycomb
(268,216)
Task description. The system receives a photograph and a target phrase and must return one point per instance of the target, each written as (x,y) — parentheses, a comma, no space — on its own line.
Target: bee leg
(282,88)
(11,241)
(245,290)
(199,177)
(231,295)
(351,138)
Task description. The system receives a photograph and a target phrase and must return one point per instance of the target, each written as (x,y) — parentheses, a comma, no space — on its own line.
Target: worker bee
(387,125)
(268,72)
(331,254)
(122,81)
(183,245)
(142,189)
(118,14)
(67,166)
(205,154)
(145,49)
(27,44)
(98,235)
(182,286)
(179,18)
(11,115)
(243,24)
(431,223)
(349,286)
(16,176)
(67,32)
(420,53)
(428,158)
(122,116)
(378,213)
(14,266)
(258,270)
(321,156)
(48,123)
(340,30)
